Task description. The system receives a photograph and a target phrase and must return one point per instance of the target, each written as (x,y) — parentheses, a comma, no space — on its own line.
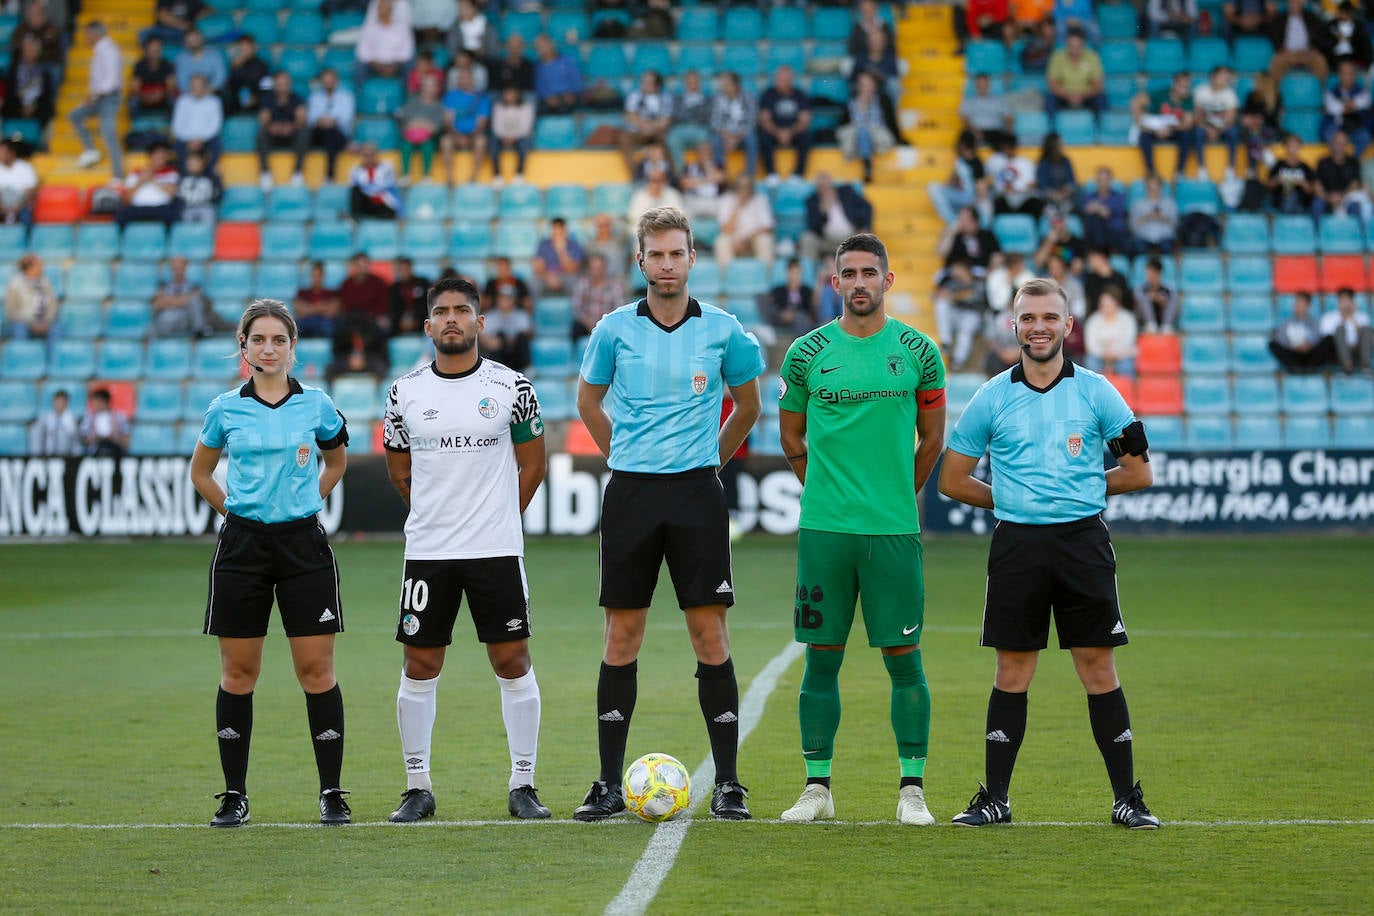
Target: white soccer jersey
(460,431)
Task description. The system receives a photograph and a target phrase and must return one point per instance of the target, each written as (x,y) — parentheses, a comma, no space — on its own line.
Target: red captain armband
(929,400)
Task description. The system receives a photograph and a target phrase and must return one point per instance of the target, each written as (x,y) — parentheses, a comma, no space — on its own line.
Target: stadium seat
(555,132)
(423,241)
(1165,56)
(1202,313)
(1250,354)
(19,401)
(1258,431)
(1256,394)
(568,201)
(380,238)
(1293,235)
(1352,395)
(289,204)
(1158,394)
(427,201)
(1200,273)
(1305,394)
(605,62)
(551,357)
(89,281)
(331,241)
(168,359)
(1204,354)
(149,438)
(97,241)
(1031,127)
(1300,89)
(1208,433)
(1205,53)
(1076,128)
(261,24)
(470,240)
(275,280)
(14,241)
(1340,271)
(700,23)
(14,439)
(1165,432)
(697,55)
(143,242)
(742,23)
(1250,54)
(193,241)
(1117,21)
(651,56)
(1306,432)
(406,351)
(745,278)
(1195,196)
(477,203)
(230,281)
(57,203)
(159,401)
(1340,235)
(1355,431)
(199,394)
(1158,354)
(1251,314)
(985,57)
(1119,58)
(525,23)
(557,401)
(553,315)
(239,134)
(787,25)
(613,198)
(1295,274)
(516,239)
(237,241)
(135,279)
(82,320)
(1249,274)
(381,96)
(217,360)
(1305,124)
(520,202)
(119,359)
(303,27)
(52,242)
(570,26)
(330,203)
(128,319)
(1248,233)
(381,131)
(1016,233)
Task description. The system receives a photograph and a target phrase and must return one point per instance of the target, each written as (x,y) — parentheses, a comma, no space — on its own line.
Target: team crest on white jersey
(302,456)
(1075,445)
(487,407)
(699,383)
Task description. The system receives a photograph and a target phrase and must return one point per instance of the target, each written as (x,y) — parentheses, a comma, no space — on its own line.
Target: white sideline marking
(653,866)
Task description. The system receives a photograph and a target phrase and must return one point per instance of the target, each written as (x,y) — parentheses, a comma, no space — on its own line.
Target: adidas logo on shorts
(724,588)
(327,616)
(1119,628)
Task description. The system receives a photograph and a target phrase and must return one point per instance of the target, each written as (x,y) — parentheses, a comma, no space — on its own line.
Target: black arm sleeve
(1132,441)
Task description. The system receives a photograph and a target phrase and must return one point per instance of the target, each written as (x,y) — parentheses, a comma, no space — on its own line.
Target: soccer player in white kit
(465,449)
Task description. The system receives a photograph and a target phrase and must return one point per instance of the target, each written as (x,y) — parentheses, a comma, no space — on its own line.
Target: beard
(861,309)
(1055,347)
(455,347)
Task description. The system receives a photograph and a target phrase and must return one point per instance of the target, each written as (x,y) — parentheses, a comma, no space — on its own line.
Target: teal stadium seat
(556,400)
(406,351)
(553,315)
(1251,53)
(1206,394)
(1250,355)
(985,57)
(569,201)
(1031,127)
(149,438)
(340,58)
(1306,432)
(381,131)
(1258,431)
(520,202)
(1165,432)
(525,23)
(1015,232)
(229,281)
(1120,91)
(83,320)
(1208,433)
(1194,196)
(1202,313)
(239,134)
(1341,235)
(331,240)
(470,240)
(288,204)
(14,242)
(829,23)
(698,23)
(1117,21)
(1251,314)
(18,401)
(1294,235)
(427,201)
(1076,128)
(1120,58)
(1250,274)
(1165,57)
(72,359)
(52,241)
(516,239)
(787,25)
(159,401)
(341,21)
(380,96)
(168,359)
(199,394)
(697,56)
(1306,124)
(14,439)
(1305,394)
(187,436)
(119,359)
(742,23)
(791,55)
(1353,431)
(215,360)
(611,198)
(1115,128)
(143,242)
(97,241)
(1352,395)
(605,62)
(313,355)
(303,27)
(262,25)
(217,27)
(276,280)
(551,357)
(356,398)
(477,203)
(1204,354)
(134,280)
(89,281)
(555,132)
(1247,233)
(1301,90)
(381,239)
(128,319)
(745,277)
(423,241)
(193,241)
(569,27)
(1204,53)
(1257,394)
(330,203)
(651,56)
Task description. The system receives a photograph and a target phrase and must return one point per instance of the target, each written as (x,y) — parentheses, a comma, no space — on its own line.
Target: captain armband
(1132,441)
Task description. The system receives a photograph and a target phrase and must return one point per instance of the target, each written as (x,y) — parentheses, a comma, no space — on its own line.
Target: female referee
(273,427)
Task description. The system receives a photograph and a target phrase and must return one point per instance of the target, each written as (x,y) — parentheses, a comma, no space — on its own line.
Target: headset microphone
(244,348)
(647,279)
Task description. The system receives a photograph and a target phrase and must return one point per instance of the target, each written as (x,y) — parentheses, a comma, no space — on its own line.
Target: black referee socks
(718,693)
(234,725)
(326,714)
(1111,723)
(617,688)
(1006,730)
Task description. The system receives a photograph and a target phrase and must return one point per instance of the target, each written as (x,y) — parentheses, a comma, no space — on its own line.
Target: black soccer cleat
(524,804)
(984,809)
(233,811)
(602,801)
(416,805)
(1130,811)
(334,811)
(727,802)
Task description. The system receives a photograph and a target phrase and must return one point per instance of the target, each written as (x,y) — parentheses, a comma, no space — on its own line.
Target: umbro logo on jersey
(514,624)
(724,588)
(1119,628)
(431,414)
(1123,737)
(726,718)
(327,616)
(999,736)
(228,734)
(612,716)
(328,735)
(828,369)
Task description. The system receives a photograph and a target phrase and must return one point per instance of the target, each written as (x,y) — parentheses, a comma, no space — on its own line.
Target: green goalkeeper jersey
(860,396)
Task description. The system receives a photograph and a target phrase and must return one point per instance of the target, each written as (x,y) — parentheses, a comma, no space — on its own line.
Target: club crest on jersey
(894,365)
(487,407)
(1075,445)
(302,456)
(699,383)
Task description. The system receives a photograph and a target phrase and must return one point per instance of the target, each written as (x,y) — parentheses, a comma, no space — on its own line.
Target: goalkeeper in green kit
(856,395)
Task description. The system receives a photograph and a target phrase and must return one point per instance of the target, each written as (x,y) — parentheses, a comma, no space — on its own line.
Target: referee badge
(699,383)
(302,456)
(1075,445)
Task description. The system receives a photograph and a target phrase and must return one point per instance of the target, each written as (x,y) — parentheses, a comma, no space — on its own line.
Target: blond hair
(663,219)
(1040,286)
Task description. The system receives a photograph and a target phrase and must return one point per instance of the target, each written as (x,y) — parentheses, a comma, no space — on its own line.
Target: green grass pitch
(1249,678)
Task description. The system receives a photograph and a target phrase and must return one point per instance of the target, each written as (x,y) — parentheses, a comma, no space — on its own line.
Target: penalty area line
(658,857)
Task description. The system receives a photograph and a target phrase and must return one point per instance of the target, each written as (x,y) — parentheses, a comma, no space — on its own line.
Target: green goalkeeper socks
(818,707)
(910,709)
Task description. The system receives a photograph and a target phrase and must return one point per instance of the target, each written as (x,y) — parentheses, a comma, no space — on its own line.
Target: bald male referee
(1045,423)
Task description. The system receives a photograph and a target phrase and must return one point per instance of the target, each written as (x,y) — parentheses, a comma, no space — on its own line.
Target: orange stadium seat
(1295,274)
(580,440)
(1340,271)
(1158,394)
(58,203)
(238,242)
(1159,353)
(1126,385)
(123,395)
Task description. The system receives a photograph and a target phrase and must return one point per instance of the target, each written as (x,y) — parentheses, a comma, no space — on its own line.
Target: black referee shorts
(683,518)
(254,560)
(1068,570)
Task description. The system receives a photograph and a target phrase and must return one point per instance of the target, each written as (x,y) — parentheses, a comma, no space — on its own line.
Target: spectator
(828,303)
(52,42)
(409,299)
(648,115)
(1256,138)
(1068,275)
(199,190)
(421,121)
(1109,336)
(1264,97)
(153,82)
(791,305)
(1076,16)
(55,433)
(879,58)
(1102,276)
(1039,47)
(656,192)
(104,430)
(1349,38)
(558,80)
(596,293)
(558,260)
(329,114)
(1292,184)
(386,42)
(734,114)
(1154,219)
(833,213)
(987,19)
(18,184)
(359,347)
(1013,181)
(1167,114)
(702,179)
(1247,17)
(960,304)
(373,191)
(31,304)
(967,185)
(1298,342)
(1348,330)
(195,58)
(1339,189)
(1300,39)
(691,119)
(609,240)
(1028,15)
(423,68)
(1172,18)
(1216,109)
(1156,304)
(316,306)
(868,21)
(282,122)
(746,225)
(465,62)
(1054,175)
(1059,244)
(364,297)
(472,32)
(469,112)
(29,90)
(1005,279)
(150,193)
(654,159)
(433,19)
(986,116)
(249,80)
(784,121)
(1347,107)
(512,128)
(180,308)
(197,120)
(173,19)
(513,69)
(1075,77)
(868,125)
(102,99)
(1001,349)
(1104,215)
(506,332)
(965,240)
(504,282)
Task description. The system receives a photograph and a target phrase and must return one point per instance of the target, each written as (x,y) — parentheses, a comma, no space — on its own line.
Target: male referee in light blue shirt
(1044,423)
(665,362)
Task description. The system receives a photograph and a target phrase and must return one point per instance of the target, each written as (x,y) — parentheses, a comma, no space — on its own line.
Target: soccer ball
(657,787)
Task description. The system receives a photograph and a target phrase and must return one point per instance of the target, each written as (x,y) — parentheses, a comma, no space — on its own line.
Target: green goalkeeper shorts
(835,571)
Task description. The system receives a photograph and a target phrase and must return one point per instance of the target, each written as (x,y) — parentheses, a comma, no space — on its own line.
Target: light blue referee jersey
(1046,444)
(273,473)
(667,384)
